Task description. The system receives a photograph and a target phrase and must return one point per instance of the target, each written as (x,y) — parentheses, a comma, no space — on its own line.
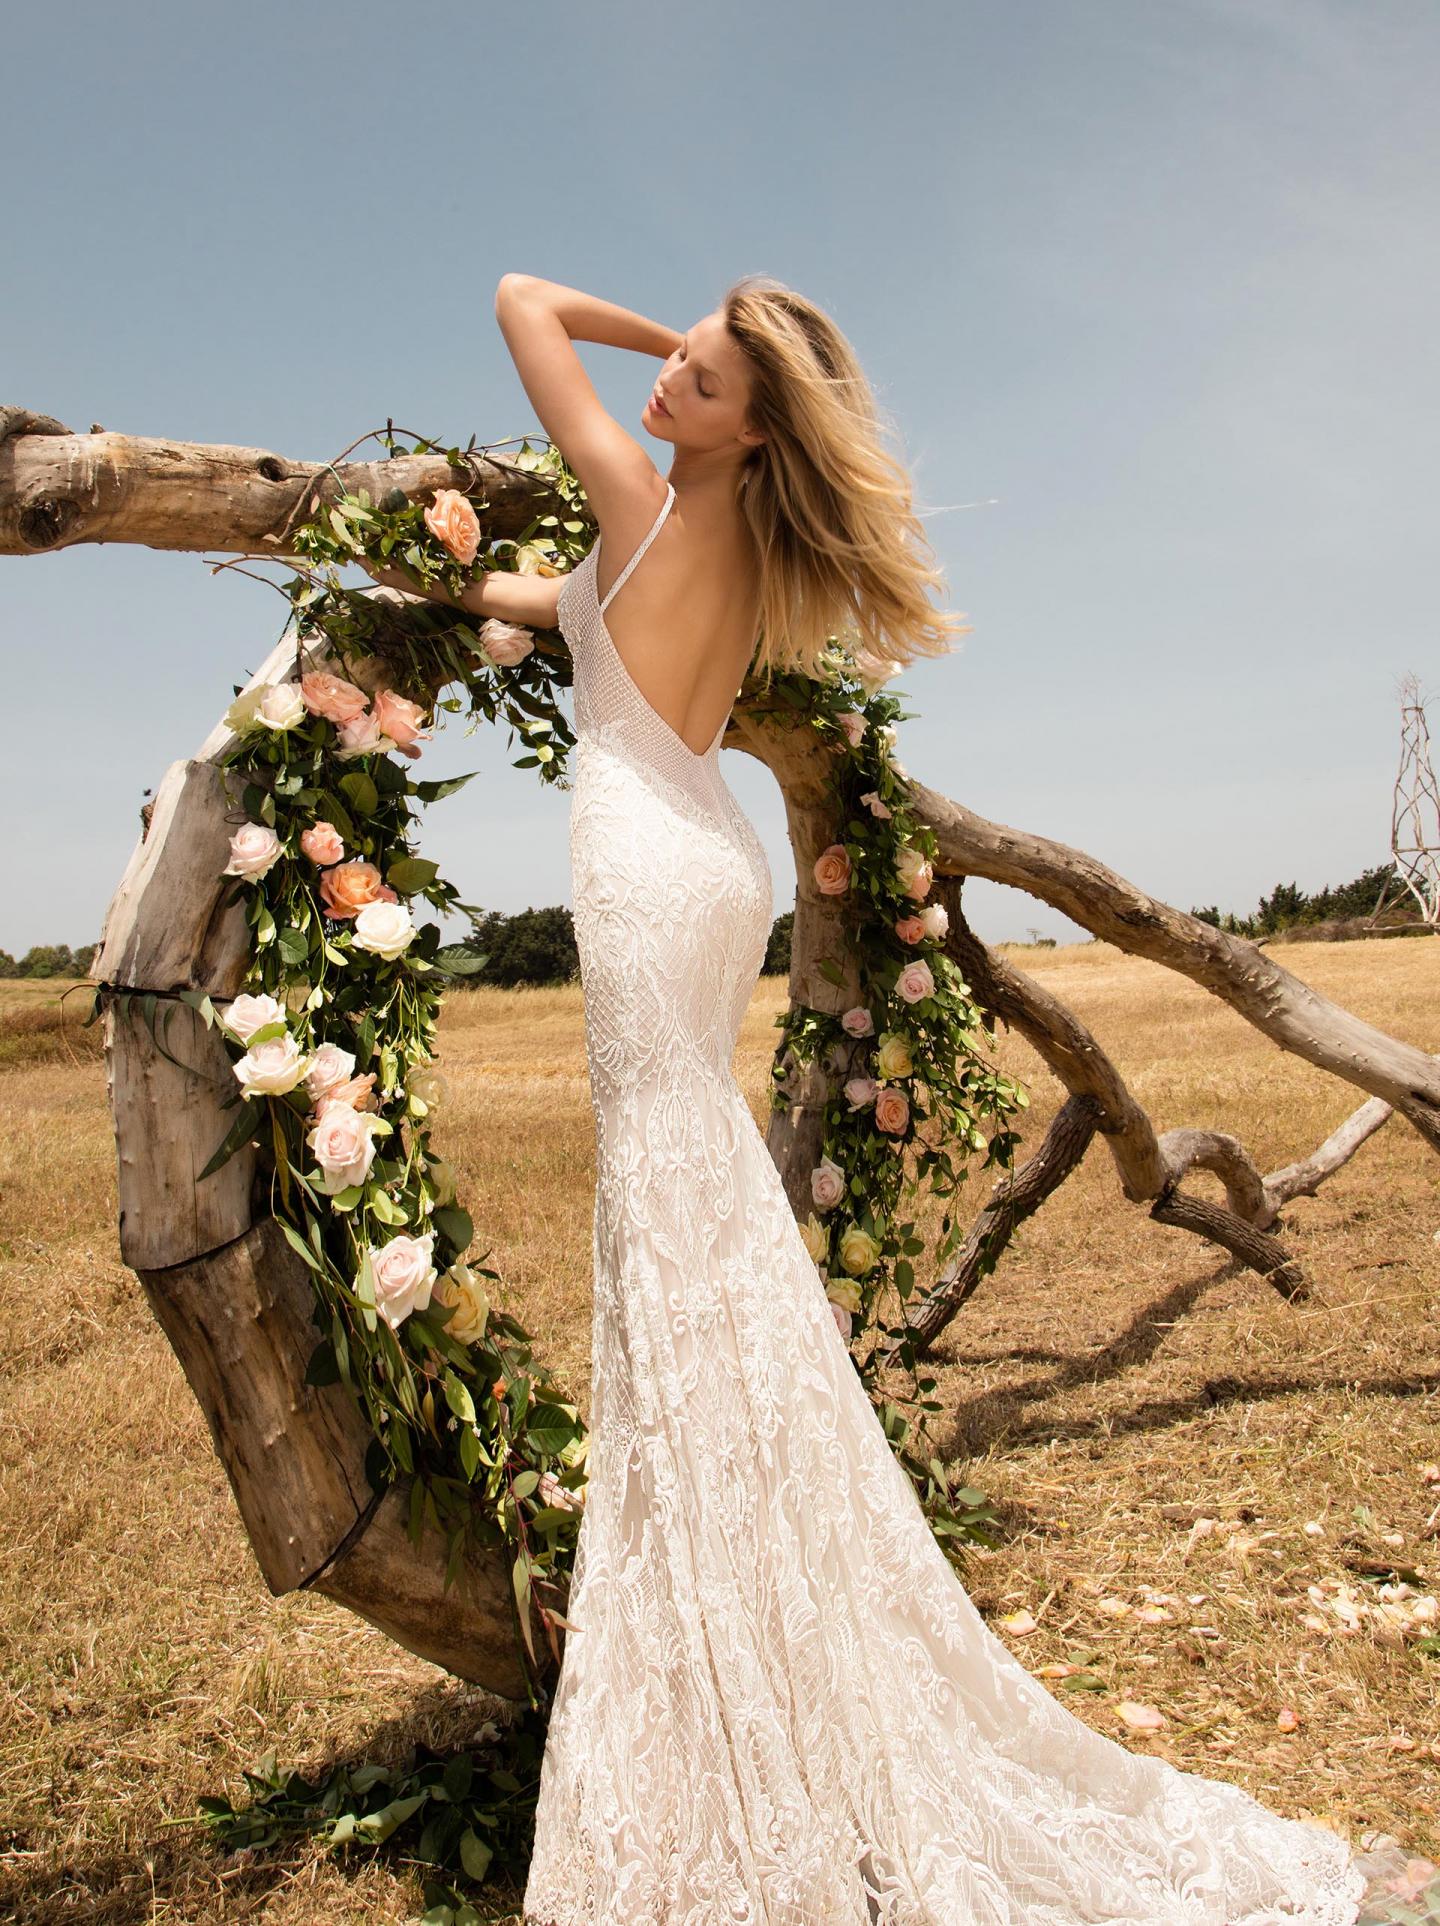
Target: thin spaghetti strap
(624,574)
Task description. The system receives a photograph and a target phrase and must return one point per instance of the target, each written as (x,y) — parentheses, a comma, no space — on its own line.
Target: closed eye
(704,391)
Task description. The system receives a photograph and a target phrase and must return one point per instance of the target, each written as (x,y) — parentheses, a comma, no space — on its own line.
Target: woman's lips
(659,405)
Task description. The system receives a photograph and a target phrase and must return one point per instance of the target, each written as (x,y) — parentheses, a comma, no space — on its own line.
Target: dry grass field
(1149,1419)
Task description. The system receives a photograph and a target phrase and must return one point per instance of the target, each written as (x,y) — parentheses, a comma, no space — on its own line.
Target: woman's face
(705,387)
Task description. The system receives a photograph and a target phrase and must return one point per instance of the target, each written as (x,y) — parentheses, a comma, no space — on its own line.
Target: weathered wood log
(229,1293)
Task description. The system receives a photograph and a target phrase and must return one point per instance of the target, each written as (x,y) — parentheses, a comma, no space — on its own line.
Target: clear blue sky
(1155,283)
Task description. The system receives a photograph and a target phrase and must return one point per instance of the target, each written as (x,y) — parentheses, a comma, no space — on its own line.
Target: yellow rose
(858,1251)
(817,1238)
(845,1292)
(532,559)
(893,1058)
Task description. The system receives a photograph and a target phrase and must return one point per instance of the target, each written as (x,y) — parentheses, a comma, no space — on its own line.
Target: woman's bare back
(684,622)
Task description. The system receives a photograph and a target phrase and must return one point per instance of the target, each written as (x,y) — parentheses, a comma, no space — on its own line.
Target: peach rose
(359,1093)
(852,721)
(827,1184)
(910,929)
(872,802)
(399,719)
(858,1022)
(505,643)
(331,697)
(322,844)
(404,1275)
(253,849)
(915,981)
(914,873)
(892,1111)
(454,524)
(346,889)
(832,870)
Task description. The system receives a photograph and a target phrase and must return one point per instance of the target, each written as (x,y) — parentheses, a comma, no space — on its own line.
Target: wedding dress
(778,1706)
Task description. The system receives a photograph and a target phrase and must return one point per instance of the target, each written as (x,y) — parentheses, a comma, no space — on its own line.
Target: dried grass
(1115,1382)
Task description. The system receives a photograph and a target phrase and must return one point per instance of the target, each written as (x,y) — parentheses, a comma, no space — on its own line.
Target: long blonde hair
(841,549)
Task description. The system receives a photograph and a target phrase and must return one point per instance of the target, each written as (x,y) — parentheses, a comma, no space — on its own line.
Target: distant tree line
(1288,907)
(49,959)
(537,947)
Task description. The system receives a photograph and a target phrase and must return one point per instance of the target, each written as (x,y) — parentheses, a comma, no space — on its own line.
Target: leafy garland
(333,1036)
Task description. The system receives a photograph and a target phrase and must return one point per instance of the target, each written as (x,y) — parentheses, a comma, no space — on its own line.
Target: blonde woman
(777,1706)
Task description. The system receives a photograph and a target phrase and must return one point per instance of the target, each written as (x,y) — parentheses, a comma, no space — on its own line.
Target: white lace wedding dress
(778,1706)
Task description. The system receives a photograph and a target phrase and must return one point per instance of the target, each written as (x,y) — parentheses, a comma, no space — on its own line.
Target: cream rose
(281,706)
(454,524)
(894,1058)
(860,1091)
(915,981)
(443,1182)
(914,872)
(910,929)
(858,1251)
(462,1288)
(254,848)
(385,929)
(241,715)
(533,558)
(936,919)
(403,1274)
(322,843)
(399,720)
(332,697)
(892,1110)
(832,870)
(505,643)
(343,1142)
(872,802)
(827,1184)
(844,1291)
(247,1014)
(270,1069)
(426,1086)
(858,1022)
(330,1066)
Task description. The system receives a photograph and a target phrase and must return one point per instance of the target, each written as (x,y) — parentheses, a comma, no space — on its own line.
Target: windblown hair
(843,555)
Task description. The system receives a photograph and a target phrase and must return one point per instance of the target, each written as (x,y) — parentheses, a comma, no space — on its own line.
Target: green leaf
(429,792)
(457,1396)
(455,1225)
(361,791)
(475,1855)
(411,873)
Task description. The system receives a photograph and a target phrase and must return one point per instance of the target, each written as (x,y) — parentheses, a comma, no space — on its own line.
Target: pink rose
(329,1067)
(915,981)
(827,1184)
(872,802)
(331,696)
(454,524)
(505,643)
(360,737)
(399,719)
(852,721)
(858,1022)
(843,1319)
(253,849)
(344,1145)
(910,929)
(832,870)
(321,843)
(914,872)
(404,1276)
(247,1014)
(860,1091)
(892,1110)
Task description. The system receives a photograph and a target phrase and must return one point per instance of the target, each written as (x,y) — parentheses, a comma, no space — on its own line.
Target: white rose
(936,919)
(253,848)
(247,1014)
(385,929)
(404,1275)
(462,1288)
(426,1086)
(282,707)
(270,1069)
(329,1067)
(241,715)
(343,1141)
(827,1184)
